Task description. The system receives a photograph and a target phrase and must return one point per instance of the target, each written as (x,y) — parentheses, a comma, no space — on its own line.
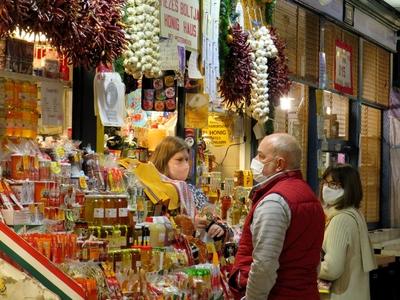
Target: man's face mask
(257,168)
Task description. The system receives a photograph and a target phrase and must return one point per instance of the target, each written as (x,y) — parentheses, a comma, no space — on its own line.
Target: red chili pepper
(235,85)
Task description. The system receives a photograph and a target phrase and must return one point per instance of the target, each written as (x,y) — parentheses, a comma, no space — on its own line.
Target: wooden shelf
(27,77)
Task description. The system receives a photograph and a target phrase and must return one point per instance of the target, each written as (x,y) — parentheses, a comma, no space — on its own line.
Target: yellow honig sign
(217,131)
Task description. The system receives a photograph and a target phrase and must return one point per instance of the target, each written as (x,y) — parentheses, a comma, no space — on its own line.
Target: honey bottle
(140,201)
(98,211)
(122,205)
(110,212)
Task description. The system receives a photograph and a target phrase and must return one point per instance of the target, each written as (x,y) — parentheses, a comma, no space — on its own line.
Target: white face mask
(330,195)
(257,168)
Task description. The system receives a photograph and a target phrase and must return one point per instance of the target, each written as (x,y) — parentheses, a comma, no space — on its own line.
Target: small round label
(170,92)
(148,104)
(159,106)
(169,80)
(160,95)
(149,94)
(158,84)
(170,104)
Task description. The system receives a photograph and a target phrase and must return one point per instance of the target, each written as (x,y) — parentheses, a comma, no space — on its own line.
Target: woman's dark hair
(349,178)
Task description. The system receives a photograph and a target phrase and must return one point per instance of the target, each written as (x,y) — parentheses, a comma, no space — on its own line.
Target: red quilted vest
(300,256)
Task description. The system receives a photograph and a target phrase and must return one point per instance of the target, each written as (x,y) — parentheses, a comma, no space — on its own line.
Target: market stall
(96,217)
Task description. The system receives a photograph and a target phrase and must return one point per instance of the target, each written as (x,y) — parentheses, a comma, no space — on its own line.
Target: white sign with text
(180,18)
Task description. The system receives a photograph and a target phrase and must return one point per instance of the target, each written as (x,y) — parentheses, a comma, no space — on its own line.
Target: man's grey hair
(288,147)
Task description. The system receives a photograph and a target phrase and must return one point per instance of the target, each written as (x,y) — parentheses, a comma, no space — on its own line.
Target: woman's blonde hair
(164,151)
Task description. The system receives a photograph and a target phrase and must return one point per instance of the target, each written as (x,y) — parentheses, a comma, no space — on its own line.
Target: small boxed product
(19,56)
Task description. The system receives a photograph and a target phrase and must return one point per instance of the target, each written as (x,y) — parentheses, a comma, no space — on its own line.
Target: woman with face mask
(171,158)
(347,255)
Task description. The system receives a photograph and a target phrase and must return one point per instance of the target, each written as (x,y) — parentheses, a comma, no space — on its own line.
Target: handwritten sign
(180,18)
(343,69)
(169,58)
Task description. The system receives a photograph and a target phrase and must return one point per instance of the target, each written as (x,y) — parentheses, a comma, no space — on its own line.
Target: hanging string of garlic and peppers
(263,49)
(143,28)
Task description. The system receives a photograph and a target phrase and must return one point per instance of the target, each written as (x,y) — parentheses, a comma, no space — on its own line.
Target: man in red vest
(279,251)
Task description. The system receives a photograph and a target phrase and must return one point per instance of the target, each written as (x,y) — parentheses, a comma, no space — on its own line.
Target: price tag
(55,167)
(83,183)
(111,213)
(123,212)
(60,151)
(98,213)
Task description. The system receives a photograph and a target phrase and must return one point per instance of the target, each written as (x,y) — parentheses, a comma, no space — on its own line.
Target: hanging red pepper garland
(235,85)
(279,82)
(88,32)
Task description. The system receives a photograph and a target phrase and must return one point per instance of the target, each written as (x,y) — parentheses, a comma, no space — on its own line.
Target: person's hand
(215,231)
(201,222)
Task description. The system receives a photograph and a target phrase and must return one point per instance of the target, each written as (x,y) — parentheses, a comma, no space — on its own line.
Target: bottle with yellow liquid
(140,206)
(98,211)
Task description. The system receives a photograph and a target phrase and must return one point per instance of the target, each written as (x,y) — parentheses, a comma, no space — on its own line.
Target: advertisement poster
(196,110)
(343,68)
(217,131)
(180,18)
(52,104)
(109,94)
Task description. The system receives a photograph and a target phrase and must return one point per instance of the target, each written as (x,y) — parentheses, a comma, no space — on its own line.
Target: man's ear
(281,164)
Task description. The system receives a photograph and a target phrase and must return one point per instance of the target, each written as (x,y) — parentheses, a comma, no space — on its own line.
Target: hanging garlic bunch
(263,49)
(142,29)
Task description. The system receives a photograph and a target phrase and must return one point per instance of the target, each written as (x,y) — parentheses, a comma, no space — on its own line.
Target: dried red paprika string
(235,85)
(278,80)
(86,32)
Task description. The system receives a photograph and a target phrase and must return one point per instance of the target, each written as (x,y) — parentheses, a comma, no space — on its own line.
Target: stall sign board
(218,132)
(180,18)
(343,68)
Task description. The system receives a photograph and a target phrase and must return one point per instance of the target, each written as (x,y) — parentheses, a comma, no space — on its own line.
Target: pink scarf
(185,195)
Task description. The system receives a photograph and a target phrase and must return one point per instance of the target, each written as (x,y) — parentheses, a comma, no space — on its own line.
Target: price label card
(83,183)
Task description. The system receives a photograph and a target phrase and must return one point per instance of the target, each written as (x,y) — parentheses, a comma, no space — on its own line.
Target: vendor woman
(171,158)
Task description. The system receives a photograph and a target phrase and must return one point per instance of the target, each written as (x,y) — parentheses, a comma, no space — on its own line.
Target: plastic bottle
(157,232)
(215,277)
(161,230)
